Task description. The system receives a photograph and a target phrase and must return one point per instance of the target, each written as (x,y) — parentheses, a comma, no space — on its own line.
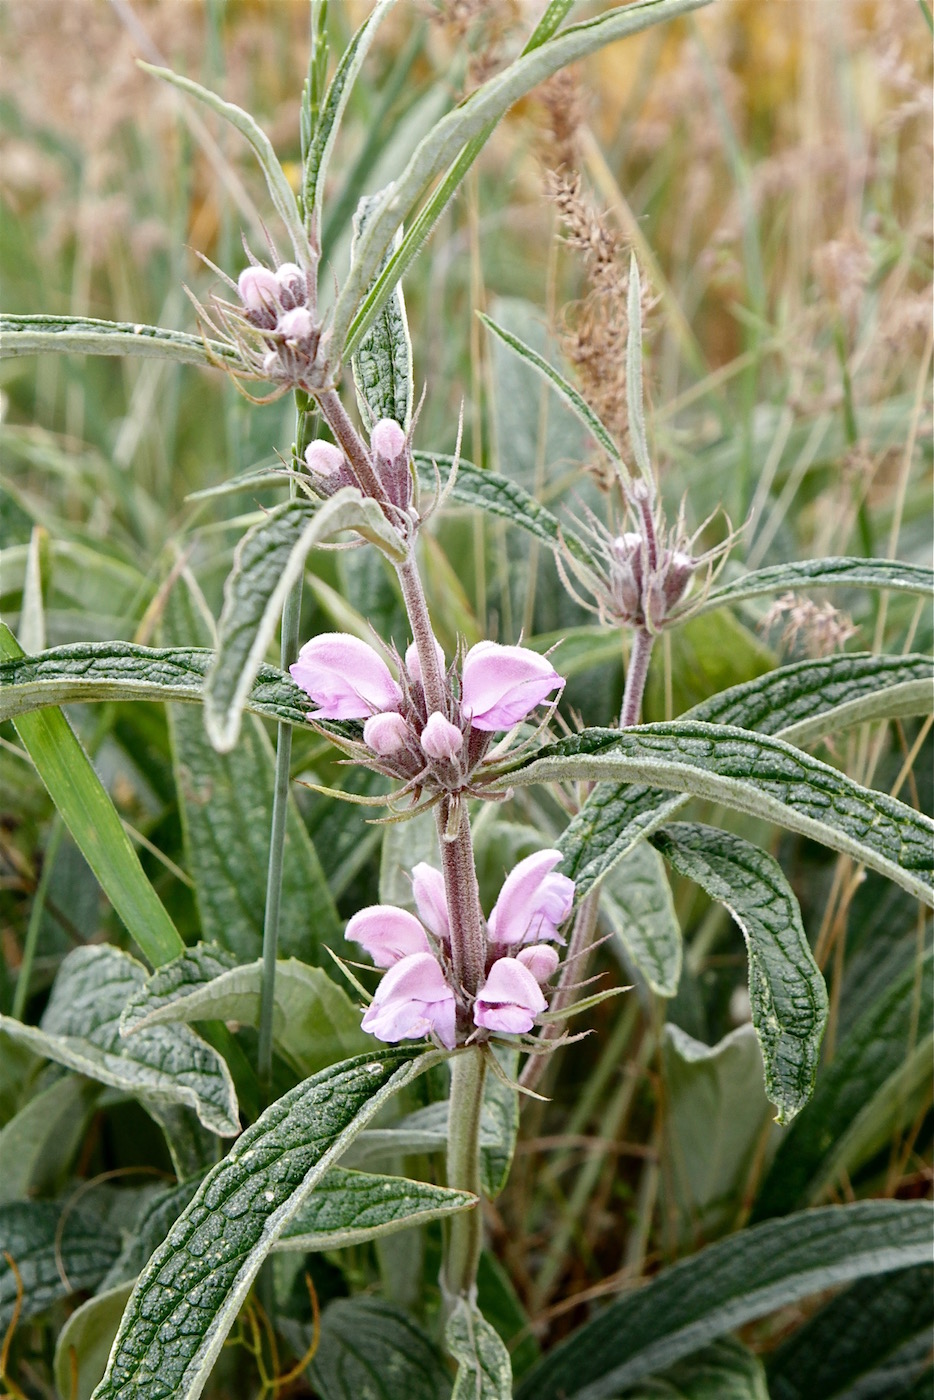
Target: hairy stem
(355,450)
(413,595)
(636,676)
(465,1236)
(468,937)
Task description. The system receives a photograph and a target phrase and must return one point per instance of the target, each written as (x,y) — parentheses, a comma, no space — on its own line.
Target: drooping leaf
(637,905)
(872,1342)
(370,1350)
(483,1368)
(382,364)
(750,773)
(348,1207)
(786,989)
(92,819)
(315,1023)
(188,1296)
(57,1250)
(872,1084)
(38,1143)
(164,1065)
(268,560)
(78,335)
(824,573)
(84,1342)
(747,1275)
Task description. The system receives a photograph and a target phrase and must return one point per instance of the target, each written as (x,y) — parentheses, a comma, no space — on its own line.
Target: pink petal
(431,899)
(501,685)
(387,440)
(541,960)
(441,738)
(532,902)
(258,288)
(388,934)
(510,999)
(346,678)
(323,458)
(386,734)
(296,325)
(413,1000)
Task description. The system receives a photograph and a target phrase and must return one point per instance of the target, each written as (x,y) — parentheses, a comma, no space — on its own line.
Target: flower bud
(293,285)
(441,738)
(390,448)
(324,459)
(344,677)
(413,665)
(296,326)
(540,960)
(431,899)
(385,734)
(259,292)
(502,685)
(509,999)
(679,571)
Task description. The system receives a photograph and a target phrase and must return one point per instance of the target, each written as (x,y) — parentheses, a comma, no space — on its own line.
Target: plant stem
(288,650)
(413,595)
(21,992)
(465,1237)
(468,938)
(636,676)
(335,414)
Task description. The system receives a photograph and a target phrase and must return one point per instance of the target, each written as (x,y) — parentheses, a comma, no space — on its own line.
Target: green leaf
(877,1073)
(187,1298)
(348,1207)
(163,1065)
(38,1143)
(279,188)
(809,699)
(370,1350)
(149,1230)
(566,391)
(637,904)
(824,573)
(87,671)
(315,1023)
(78,335)
(424,1131)
(750,773)
(726,1370)
(84,1342)
(92,819)
(873,1341)
(267,561)
(57,1251)
(500,1116)
(483,1368)
(332,110)
(786,989)
(729,1283)
(715,1112)
(455,142)
(382,364)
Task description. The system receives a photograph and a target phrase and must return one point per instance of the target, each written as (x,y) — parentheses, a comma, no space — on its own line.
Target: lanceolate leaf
(370,1350)
(54,1256)
(77,335)
(483,1367)
(824,573)
(92,819)
(84,1342)
(789,999)
(815,697)
(745,1276)
(165,1065)
(750,773)
(501,1120)
(38,1143)
(188,1297)
(348,1207)
(315,1023)
(636,902)
(868,1081)
(267,562)
(87,671)
(382,365)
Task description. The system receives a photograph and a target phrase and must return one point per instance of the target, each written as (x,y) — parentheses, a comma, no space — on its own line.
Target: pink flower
(509,999)
(386,734)
(344,677)
(413,1000)
(532,902)
(258,288)
(441,738)
(541,960)
(430,899)
(388,934)
(501,685)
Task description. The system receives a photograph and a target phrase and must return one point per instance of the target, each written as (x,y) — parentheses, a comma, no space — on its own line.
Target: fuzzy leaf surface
(382,364)
(484,1371)
(786,989)
(188,1297)
(745,1276)
(637,904)
(37,1238)
(348,1207)
(79,335)
(824,573)
(726,1370)
(370,1350)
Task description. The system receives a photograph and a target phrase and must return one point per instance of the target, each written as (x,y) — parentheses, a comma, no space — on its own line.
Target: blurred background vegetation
(771,167)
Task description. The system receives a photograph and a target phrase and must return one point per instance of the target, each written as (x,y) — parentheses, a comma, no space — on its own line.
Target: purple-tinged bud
(502,685)
(390,449)
(324,459)
(413,1000)
(346,678)
(413,665)
(388,934)
(259,291)
(441,738)
(509,999)
(387,440)
(541,961)
(386,734)
(679,571)
(626,574)
(293,285)
(296,326)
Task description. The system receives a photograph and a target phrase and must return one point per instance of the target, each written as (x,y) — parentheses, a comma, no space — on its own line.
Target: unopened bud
(678,573)
(413,665)
(297,325)
(441,738)
(390,448)
(385,734)
(324,459)
(387,440)
(541,960)
(293,287)
(258,288)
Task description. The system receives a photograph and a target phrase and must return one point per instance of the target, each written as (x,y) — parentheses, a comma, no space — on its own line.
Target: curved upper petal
(345,677)
(501,685)
(413,1000)
(533,901)
(388,934)
(430,899)
(509,999)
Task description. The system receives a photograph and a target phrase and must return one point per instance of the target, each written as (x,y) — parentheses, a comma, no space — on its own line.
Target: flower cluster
(419,994)
(390,450)
(494,688)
